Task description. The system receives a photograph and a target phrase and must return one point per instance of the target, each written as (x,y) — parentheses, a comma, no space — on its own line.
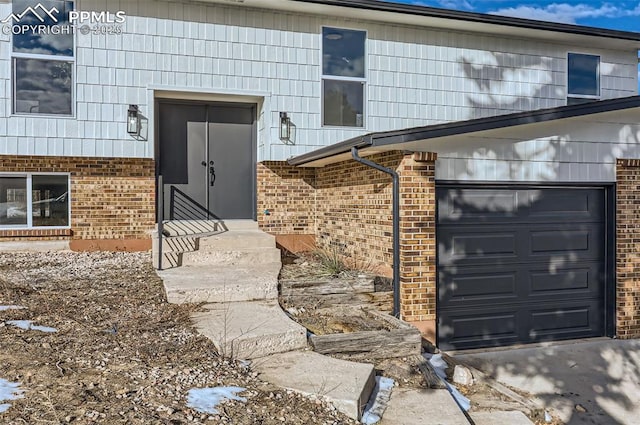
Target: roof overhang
(522,126)
(422,16)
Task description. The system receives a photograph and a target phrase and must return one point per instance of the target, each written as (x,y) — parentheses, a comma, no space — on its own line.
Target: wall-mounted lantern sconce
(133,121)
(285,127)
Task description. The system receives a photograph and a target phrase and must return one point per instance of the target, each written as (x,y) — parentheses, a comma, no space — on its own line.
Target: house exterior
(516,145)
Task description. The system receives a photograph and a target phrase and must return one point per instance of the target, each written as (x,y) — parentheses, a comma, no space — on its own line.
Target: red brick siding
(349,205)
(111,198)
(354,208)
(287,193)
(418,238)
(628,249)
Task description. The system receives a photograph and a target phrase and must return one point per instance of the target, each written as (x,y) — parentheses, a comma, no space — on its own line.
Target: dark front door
(207,156)
(520,265)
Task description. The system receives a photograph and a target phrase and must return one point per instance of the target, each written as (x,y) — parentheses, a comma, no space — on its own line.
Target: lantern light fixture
(285,127)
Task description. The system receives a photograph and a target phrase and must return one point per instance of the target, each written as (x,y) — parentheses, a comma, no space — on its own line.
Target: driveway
(583,382)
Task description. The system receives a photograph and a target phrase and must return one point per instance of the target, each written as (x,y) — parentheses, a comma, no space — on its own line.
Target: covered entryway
(207,159)
(520,264)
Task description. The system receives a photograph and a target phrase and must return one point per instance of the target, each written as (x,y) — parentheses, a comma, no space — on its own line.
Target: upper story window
(343,77)
(42,57)
(583,78)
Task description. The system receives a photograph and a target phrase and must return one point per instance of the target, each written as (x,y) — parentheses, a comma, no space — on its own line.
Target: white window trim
(599,75)
(363,80)
(70,59)
(29,188)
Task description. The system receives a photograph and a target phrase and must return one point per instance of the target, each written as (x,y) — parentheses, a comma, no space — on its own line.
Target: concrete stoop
(249,330)
(419,407)
(347,385)
(221,284)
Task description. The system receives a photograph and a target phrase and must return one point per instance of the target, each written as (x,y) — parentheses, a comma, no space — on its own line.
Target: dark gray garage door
(519,265)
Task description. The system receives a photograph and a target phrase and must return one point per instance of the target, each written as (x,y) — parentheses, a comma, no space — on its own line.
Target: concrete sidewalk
(585,382)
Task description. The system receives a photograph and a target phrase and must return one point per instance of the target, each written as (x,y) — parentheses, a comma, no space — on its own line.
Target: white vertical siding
(415,76)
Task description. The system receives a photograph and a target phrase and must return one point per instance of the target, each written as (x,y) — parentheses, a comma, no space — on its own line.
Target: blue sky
(619,15)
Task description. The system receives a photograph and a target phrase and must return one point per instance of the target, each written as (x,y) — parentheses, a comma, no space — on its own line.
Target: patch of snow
(28,325)
(205,400)
(440,367)
(9,391)
(11,307)
(547,417)
(463,402)
(379,400)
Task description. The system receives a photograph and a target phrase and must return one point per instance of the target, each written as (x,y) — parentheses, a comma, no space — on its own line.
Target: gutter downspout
(396,225)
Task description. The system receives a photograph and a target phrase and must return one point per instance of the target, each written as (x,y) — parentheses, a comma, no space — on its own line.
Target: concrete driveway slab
(583,382)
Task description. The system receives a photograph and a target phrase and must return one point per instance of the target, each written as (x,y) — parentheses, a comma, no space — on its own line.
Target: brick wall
(348,206)
(112,200)
(628,248)
(286,204)
(418,239)
(354,209)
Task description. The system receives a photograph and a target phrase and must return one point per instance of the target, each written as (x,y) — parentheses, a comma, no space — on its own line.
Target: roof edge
(432,12)
(385,138)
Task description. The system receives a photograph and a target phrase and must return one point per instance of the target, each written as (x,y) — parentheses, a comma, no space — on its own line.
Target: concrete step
(348,385)
(237,225)
(418,407)
(212,284)
(170,260)
(237,239)
(249,330)
(191,227)
(240,257)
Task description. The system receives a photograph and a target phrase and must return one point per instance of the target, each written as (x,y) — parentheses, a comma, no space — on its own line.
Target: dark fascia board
(386,138)
(432,12)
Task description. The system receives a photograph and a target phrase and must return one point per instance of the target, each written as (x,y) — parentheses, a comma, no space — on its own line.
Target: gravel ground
(121,353)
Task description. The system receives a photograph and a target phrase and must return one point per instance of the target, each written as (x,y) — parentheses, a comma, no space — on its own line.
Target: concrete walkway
(235,271)
(583,382)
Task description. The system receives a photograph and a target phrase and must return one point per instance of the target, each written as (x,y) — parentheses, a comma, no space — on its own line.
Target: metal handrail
(160,196)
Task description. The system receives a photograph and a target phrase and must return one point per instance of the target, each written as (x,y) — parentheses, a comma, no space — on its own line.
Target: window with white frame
(34,200)
(583,78)
(43,59)
(343,77)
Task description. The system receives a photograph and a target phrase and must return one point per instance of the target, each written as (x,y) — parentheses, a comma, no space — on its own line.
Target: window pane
(13,201)
(343,103)
(56,40)
(50,197)
(42,86)
(343,52)
(583,75)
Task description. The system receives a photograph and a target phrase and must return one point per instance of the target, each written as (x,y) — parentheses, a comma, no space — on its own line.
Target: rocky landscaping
(118,352)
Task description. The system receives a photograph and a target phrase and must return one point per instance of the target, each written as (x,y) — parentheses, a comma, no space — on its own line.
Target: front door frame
(158,101)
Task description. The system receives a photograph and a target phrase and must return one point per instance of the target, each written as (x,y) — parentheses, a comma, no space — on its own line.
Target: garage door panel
(585,279)
(561,204)
(517,243)
(529,267)
(482,244)
(473,205)
(567,320)
(482,285)
(577,242)
(480,329)
(492,205)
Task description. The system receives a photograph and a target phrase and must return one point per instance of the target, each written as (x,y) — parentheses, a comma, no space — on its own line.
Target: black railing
(184,207)
(160,200)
